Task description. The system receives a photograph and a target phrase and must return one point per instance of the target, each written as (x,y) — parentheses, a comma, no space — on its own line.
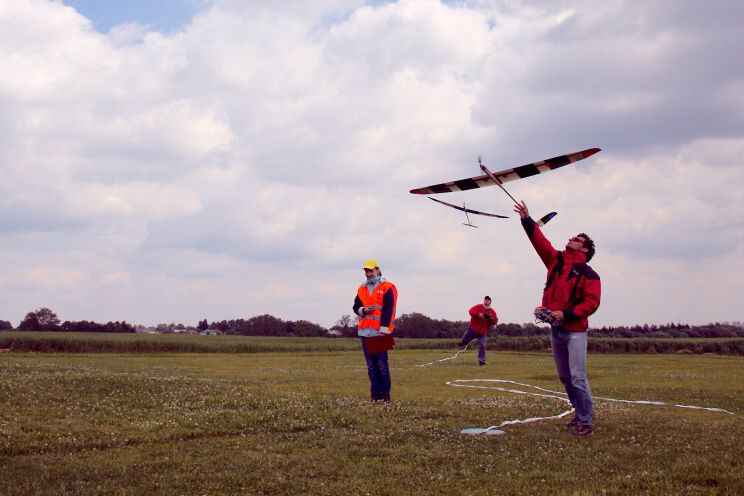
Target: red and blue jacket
(572,286)
(478,324)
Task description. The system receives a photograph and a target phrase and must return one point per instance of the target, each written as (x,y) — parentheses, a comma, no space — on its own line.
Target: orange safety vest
(372,320)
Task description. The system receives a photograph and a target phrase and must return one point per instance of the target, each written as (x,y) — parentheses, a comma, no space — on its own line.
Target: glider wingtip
(546,218)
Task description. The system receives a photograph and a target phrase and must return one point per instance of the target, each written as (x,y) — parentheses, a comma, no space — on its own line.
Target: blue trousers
(469,336)
(569,355)
(379,373)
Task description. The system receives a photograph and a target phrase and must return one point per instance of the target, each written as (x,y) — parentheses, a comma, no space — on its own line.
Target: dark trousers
(379,373)
(482,340)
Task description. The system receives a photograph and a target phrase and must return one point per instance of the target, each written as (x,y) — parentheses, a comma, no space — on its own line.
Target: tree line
(266,325)
(46,320)
(713,330)
(410,325)
(417,325)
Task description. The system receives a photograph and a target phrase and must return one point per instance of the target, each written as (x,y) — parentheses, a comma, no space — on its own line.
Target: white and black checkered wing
(506,175)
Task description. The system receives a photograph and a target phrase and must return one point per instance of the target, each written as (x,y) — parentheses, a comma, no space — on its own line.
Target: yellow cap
(370,264)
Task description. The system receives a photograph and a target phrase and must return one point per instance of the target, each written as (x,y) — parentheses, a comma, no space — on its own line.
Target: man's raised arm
(543,247)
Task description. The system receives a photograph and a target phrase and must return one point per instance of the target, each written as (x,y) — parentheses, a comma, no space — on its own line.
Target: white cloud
(249,162)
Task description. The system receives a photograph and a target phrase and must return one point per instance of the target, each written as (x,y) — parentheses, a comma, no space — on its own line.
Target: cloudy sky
(223,159)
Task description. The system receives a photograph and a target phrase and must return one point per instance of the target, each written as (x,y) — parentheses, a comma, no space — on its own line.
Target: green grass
(77,342)
(81,342)
(301,423)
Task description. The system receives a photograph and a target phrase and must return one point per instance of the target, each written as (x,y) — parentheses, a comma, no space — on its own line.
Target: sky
(165,16)
(188,159)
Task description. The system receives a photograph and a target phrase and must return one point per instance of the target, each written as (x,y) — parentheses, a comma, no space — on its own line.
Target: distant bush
(268,325)
(417,325)
(86,326)
(670,331)
(41,320)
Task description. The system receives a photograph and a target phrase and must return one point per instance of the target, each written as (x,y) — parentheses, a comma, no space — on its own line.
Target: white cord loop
(547,393)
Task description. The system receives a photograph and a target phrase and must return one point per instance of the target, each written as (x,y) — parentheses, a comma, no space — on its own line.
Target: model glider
(543,220)
(498,178)
(467,211)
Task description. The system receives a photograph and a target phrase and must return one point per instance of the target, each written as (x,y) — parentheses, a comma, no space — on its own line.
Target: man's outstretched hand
(522,210)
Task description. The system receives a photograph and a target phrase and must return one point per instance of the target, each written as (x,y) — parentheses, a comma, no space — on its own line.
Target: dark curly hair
(589,245)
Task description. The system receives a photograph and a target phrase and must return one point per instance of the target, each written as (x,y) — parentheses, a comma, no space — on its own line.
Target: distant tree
(237,327)
(68,326)
(42,319)
(346,326)
(5,325)
(222,326)
(90,326)
(117,326)
(203,325)
(417,325)
(344,321)
(264,325)
(414,325)
(305,329)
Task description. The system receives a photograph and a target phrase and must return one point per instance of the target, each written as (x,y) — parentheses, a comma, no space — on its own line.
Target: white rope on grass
(564,397)
(548,393)
(661,403)
(444,359)
(553,394)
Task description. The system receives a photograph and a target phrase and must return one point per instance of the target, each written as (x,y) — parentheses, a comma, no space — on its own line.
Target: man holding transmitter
(572,293)
(482,319)
(375,304)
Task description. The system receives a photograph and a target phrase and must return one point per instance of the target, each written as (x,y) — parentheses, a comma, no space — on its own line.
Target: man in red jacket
(572,293)
(482,317)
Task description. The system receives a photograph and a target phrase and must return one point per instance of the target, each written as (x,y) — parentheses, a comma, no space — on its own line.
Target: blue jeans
(469,336)
(379,373)
(569,354)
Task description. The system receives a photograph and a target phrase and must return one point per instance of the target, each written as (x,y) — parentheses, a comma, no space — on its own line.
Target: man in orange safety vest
(375,304)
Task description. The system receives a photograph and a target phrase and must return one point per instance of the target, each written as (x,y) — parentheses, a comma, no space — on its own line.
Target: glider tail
(546,218)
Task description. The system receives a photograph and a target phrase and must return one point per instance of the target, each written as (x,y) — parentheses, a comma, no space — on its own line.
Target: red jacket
(478,324)
(572,286)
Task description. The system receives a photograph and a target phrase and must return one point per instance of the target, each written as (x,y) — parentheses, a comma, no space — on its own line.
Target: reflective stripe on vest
(375,300)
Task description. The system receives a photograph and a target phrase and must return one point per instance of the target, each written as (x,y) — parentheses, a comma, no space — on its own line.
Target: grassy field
(82,342)
(77,342)
(300,423)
